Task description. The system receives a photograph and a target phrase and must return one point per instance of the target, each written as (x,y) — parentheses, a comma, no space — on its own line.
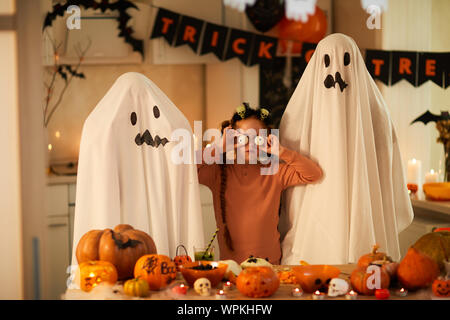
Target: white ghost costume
(126,173)
(338,117)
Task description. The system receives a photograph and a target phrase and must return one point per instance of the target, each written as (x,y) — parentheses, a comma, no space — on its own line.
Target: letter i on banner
(189,32)
(378,64)
(404,66)
(214,39)
(165,25)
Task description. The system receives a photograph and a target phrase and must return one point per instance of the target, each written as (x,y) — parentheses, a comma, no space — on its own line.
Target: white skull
(202,286)
(337,287)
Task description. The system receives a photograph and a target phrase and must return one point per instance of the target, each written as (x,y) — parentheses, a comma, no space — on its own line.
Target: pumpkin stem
(375,248)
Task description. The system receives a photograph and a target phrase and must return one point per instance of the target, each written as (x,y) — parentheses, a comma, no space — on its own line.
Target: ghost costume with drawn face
(338,117)
(126,173)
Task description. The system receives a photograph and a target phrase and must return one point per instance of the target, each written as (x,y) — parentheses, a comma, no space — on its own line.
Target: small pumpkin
(257,282)
(441,287)
(436,245)
(122,246)
(365,260)
(136,287)
(417,270)
(388,266)
(315,277)
(92,273)
(157,269)
(181,259)
(360,277)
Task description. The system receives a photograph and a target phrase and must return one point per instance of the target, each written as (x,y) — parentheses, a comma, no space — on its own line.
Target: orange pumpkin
(257,282)
(360,277)
(122,246)
(365,260)
(315,277)
(181,259)
(388,266)
(92,273)
(436,245)
(157,269)
(441,287)
(417,270)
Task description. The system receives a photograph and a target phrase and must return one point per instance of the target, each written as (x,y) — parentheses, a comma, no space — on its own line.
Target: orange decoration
(412,187)
(181,259)
(214,275)
(437,191)
(436,245)
(287,277)
(157,269)
(315,277)
(122,246)
(417,270)
(360,277)
(441,287)
(257,282)
(365,260)
(312,31)
(92,273)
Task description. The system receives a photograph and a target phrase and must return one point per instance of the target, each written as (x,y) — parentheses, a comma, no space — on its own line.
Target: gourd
(417,270)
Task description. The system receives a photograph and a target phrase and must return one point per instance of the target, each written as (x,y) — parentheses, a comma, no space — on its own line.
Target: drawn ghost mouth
(149,140)
(330,81)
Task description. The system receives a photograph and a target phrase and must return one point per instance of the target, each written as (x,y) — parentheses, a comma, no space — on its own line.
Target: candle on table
(352,295)
(431,176)
(414,171)
(227,286)
(297,292)
(318,295)
(221,295)
(180,289)
(402,292)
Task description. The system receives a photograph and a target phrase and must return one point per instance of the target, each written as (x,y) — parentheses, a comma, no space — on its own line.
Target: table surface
(437,206)
(283,293)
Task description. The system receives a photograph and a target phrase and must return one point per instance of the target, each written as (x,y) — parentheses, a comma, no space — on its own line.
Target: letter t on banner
(165,25)
(378,64)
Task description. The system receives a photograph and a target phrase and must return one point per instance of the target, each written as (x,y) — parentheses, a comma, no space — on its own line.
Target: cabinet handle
(54,225)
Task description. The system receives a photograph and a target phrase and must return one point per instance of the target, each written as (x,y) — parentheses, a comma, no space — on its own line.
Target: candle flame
(414,160)
(402,290)
(220,291)
(317,292)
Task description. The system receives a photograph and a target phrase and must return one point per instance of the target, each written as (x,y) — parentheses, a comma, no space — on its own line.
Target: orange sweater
(253,201)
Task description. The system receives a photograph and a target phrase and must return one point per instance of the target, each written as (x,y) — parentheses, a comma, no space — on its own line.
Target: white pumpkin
(255,262)
(233,267)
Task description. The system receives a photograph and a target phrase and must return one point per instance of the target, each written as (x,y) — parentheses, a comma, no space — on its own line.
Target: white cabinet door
(58,255)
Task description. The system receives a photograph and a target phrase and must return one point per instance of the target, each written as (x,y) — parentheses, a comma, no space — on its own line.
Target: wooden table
(283,293)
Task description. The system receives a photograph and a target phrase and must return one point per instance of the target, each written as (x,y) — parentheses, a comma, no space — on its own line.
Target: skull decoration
(337,287)
(202,286)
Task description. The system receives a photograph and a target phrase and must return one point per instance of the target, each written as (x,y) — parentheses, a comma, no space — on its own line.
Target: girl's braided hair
(242,112)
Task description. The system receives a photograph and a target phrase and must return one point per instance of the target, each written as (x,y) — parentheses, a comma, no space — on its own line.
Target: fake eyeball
(242,139)
(259,141)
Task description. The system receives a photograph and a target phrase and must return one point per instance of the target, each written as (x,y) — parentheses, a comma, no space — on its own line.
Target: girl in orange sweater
(246,203)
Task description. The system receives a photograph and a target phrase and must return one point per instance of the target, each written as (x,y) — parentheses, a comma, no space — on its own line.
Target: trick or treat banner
(252,48)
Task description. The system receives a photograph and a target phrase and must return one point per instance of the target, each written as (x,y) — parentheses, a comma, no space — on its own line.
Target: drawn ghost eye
(327,60)
(346,59)
(133,118)
(156,112)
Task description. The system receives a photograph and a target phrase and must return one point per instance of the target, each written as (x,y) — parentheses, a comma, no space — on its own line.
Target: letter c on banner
(236,44)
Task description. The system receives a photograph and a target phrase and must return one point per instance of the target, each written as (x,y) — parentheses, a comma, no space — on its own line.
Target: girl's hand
(272,146)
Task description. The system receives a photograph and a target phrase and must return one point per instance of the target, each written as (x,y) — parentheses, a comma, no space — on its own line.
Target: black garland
(120,5)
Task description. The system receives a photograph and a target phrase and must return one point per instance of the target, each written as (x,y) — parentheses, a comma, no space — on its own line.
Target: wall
(11,266)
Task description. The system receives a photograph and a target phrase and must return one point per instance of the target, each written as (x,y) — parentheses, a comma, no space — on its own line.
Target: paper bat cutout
(103,5)
(430,117)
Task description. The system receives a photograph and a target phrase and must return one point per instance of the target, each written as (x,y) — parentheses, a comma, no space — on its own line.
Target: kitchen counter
(283,293)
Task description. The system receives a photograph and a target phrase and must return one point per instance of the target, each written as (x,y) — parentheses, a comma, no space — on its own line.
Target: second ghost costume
(338,117)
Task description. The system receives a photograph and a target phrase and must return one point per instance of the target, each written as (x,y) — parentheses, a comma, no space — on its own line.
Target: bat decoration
(64,68)
(430,117)
(121,6)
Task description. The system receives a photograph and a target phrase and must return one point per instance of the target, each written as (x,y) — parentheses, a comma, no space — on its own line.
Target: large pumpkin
(417,270)
(365,260)
(257,282)
(122,246)
(436,245)
(157,269)
(92,273)
(359,278)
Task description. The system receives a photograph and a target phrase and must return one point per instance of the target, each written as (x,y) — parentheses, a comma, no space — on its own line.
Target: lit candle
(414,171)
(297,292)
(402,292)
(431,176)
(180,289)
(221,295)
(352,295)
(227,286)
(318,295)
